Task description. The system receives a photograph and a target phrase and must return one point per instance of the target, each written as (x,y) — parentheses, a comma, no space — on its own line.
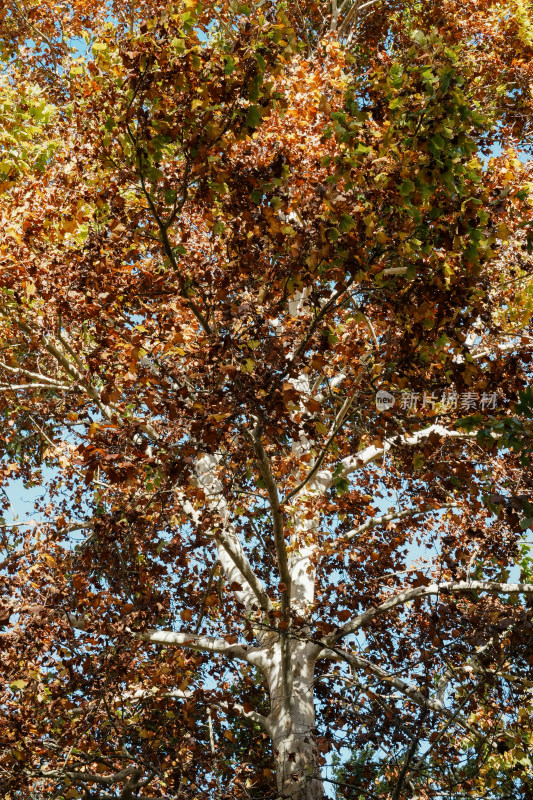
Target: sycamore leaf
(253,116)
(19,684)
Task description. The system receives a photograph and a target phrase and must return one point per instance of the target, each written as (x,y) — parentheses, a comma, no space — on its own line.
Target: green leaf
(445,81)
(253,116)
(346,223)
(339,469)
(179,45)
(438,141)
(342,485)
(469,423)
(452,55)
(396,103)
(419,38)
(229,66)
(407,188)
(477,118)
(525,404)
(418,461)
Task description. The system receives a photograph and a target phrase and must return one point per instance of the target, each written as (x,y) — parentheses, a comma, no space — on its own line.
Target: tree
(231,236)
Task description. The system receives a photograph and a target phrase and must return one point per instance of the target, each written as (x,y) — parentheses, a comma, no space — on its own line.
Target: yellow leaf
(68,225)
(503,232)
(20,684)
(248,365)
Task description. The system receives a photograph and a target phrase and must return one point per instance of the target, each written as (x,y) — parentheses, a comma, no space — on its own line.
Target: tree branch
(141,694)
(230,552)
(109,411)
(233,548)
(253,716)
(492,587)
(206,644)
(35,376)
(372,453)
(337,425)
(373,522)
(277,517)
(402,686)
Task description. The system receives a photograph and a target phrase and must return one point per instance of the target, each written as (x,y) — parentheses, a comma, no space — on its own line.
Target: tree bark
(292,721)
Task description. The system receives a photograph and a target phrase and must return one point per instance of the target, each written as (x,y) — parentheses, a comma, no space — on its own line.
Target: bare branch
(373,453)
(24,386)
(402,686)
(492,587)
(34,376)
(337,425)
(109,411)
(230,552)
(334,16)
(233,548)
(394,271)
(374,522)
(277,517)
(206,644)
(323,479)
(250,714)
(178,694)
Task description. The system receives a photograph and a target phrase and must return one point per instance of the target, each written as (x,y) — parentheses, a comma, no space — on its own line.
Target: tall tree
(266,297)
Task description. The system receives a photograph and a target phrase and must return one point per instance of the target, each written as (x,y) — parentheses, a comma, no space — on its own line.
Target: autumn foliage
(224,228)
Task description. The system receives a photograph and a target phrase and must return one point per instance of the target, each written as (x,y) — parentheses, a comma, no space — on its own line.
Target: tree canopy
(265,330)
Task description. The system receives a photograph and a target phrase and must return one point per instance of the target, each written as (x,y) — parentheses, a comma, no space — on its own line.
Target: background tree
(227,228)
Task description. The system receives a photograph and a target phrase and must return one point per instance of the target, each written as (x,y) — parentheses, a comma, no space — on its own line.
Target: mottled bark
(292,720)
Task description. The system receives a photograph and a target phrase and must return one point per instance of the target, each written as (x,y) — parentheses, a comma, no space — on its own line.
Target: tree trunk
(292,720)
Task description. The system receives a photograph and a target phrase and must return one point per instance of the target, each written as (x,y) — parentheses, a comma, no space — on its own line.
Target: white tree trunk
(292,720)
